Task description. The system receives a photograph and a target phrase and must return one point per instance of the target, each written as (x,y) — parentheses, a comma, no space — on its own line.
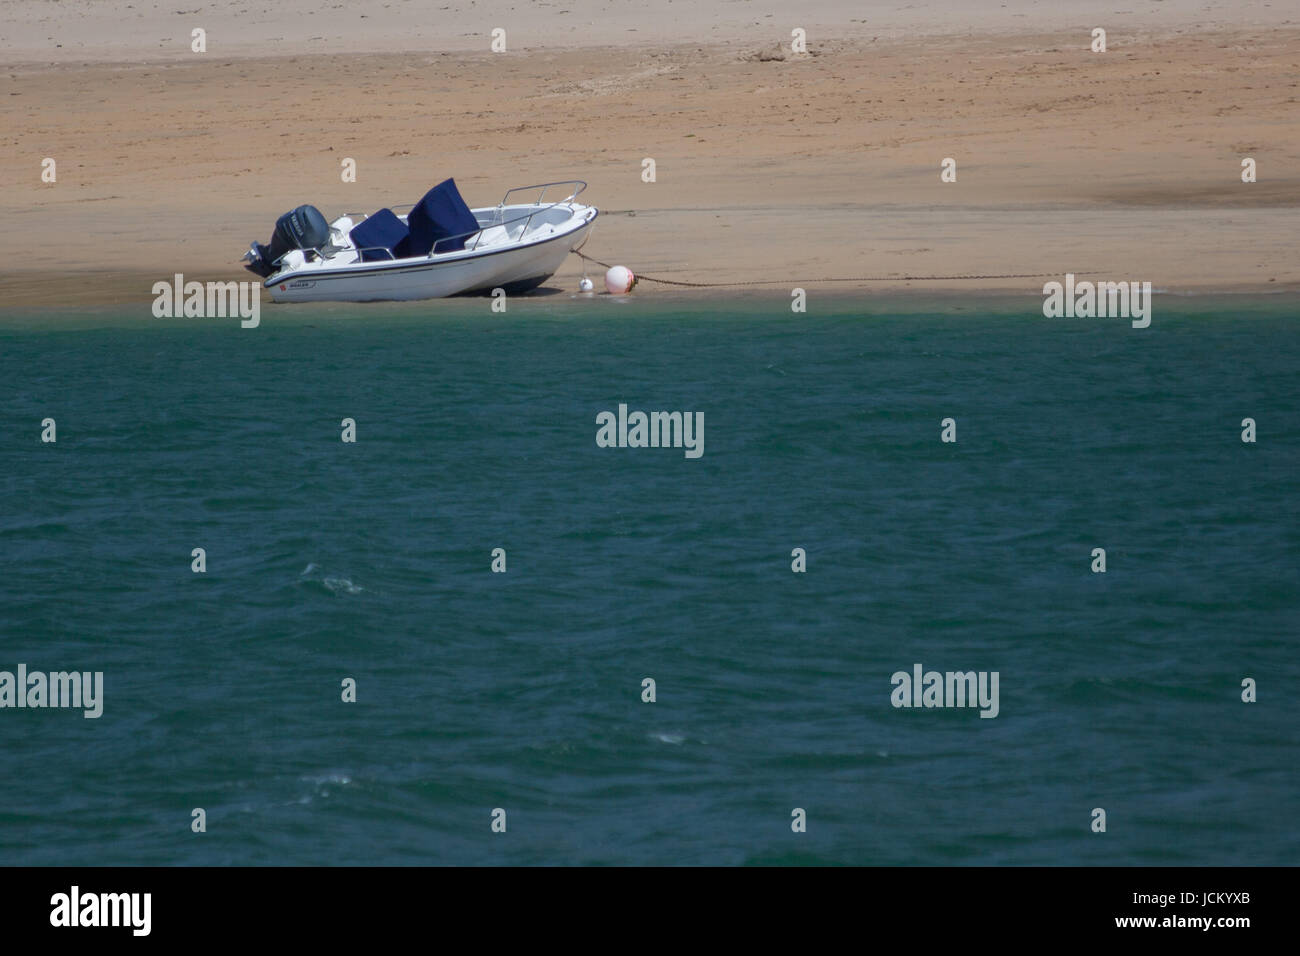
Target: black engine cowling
(301,228)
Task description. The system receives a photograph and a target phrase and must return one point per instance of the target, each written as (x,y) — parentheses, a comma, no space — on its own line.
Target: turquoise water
(522,690)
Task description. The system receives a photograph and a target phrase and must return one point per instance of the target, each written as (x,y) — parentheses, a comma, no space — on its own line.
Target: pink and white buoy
(619,280)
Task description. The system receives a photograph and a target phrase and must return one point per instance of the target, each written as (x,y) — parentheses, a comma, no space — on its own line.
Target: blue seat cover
(383,230)
(441,213)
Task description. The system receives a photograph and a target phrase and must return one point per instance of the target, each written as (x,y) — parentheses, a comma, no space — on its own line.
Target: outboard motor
(301,228)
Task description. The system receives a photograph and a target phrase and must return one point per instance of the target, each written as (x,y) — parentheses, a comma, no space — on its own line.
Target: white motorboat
(439,248)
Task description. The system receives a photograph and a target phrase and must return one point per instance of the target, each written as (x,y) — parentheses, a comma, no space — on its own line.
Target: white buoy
(619,280)
(586,285)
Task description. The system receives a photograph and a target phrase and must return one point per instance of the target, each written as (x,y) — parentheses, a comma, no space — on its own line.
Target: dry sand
(1125,164)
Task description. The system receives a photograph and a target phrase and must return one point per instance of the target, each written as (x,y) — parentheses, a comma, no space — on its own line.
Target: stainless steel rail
(497,220)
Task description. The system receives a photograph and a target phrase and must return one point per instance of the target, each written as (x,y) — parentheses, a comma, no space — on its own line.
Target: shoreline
(568,304)
(50,293)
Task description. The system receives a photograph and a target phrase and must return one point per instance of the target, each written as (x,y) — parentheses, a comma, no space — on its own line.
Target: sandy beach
(769,165)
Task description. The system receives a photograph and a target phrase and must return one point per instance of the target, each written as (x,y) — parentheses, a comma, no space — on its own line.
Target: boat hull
(515,268)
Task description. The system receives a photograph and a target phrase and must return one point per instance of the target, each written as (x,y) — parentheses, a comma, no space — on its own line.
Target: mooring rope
(711,285)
